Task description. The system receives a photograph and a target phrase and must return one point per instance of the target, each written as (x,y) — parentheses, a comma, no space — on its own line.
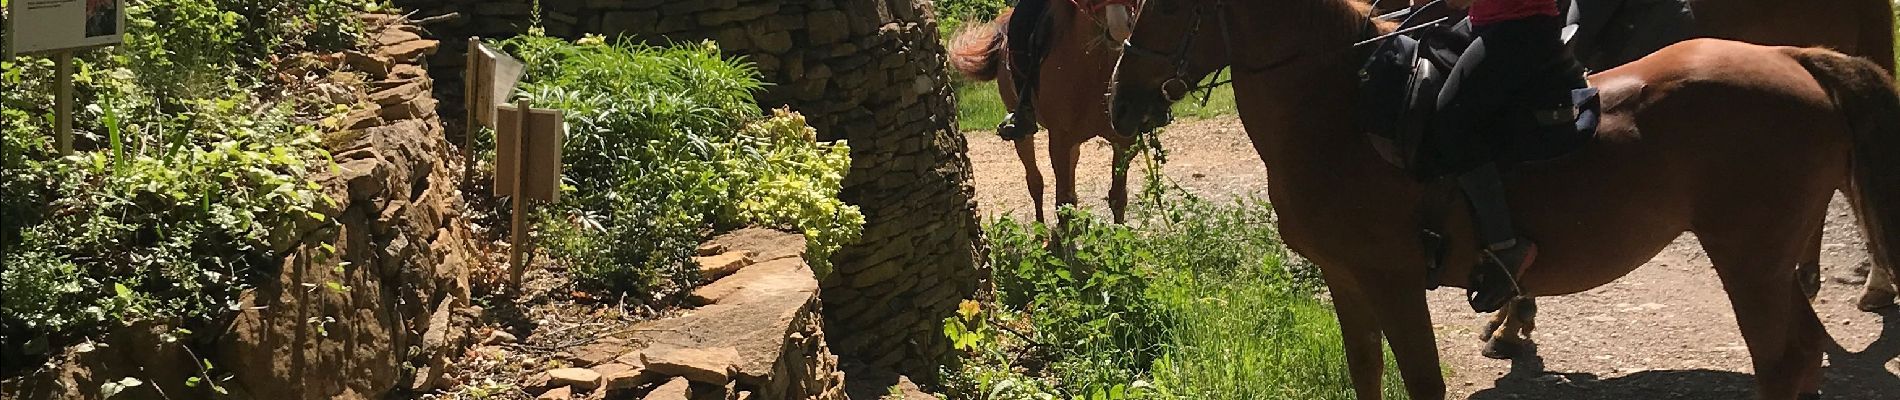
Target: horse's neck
(1300,124)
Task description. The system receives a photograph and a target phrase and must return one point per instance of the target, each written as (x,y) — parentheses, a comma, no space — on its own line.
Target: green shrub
(953,14)
(165,210)
(667,145)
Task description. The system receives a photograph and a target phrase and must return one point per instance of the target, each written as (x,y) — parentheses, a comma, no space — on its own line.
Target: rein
(1092,7)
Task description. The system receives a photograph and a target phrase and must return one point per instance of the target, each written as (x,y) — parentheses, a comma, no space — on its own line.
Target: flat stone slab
(704,365)
(765,280)
(677,389)
(750,312)
(712,268)
(585,379)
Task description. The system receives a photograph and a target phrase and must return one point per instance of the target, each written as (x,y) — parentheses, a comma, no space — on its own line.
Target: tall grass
(1241,339)
(980,108)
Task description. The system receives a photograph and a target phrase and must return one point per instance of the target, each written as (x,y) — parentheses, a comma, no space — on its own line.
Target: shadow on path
(1862,375)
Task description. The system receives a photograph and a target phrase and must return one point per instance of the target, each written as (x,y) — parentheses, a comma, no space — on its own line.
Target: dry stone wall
(869,71)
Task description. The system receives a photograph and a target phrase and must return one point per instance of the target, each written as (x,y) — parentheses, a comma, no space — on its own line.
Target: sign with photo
(43,26)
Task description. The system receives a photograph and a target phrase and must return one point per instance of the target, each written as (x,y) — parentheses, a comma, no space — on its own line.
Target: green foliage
(666,145)
(185,49)
(1148,310)
(954,14)
(166,210)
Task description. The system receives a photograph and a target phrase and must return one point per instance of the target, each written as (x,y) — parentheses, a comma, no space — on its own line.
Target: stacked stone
(393,251)
(756,334)
(870,71)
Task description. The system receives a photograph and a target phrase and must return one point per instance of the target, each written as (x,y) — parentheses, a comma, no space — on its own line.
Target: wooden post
(473,123)
(518,225)
(63,103)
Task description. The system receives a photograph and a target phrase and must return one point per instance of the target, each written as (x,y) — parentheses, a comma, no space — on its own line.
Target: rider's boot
(1021,123)
(1505,257)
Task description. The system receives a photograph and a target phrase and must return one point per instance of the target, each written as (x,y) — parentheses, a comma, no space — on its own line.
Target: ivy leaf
(113,388)
(123,292)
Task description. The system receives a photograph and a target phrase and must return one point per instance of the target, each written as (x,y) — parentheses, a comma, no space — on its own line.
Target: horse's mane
(1336,18)
(1352,15)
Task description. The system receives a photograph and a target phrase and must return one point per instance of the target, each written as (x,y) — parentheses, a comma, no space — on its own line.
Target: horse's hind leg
(1032,173)
(1118,184)
(1510,329)
(1784,336)
(1880,290)
(1063,155)
(1808,272)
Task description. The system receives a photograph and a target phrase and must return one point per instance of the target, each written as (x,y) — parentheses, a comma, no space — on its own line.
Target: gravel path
(1663,332)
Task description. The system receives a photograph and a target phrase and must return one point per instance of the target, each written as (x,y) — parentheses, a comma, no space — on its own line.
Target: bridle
(1179,57)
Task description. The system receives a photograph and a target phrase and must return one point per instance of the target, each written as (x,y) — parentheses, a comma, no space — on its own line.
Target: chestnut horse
(1861,28)
(1741,144)
(1071,103)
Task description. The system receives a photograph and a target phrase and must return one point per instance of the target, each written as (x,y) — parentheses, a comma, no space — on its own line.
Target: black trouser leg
(1508,60)
(1484,188)
(1028,43)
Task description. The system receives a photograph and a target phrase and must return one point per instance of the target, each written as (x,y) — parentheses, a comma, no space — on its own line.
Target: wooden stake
(518,222)
(473,123)
(63,103)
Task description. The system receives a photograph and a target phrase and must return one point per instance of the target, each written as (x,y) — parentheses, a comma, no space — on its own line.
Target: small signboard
(541,147)
(46,26)
(496,75)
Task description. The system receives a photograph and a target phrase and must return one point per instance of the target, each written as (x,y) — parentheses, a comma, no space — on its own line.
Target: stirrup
(1489,291)
(1014,127)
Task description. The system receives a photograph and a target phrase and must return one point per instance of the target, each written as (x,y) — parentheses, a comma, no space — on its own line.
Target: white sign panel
(40,26)
(498,74)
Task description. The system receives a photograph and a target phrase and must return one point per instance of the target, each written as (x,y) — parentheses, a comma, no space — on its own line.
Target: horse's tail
(1866,94)
(976,49)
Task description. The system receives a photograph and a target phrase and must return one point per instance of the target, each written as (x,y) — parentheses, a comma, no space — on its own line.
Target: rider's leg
(1027,45)
(1507,57)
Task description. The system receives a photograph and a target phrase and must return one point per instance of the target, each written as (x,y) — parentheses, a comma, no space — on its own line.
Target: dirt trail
(1663,332)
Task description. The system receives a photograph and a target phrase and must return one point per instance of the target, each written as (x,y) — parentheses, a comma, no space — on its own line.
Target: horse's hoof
(1872,301)
(1810,396)
(1502,348)
(1490,331)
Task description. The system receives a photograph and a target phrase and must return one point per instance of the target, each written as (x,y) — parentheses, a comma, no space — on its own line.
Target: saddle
(1398,96)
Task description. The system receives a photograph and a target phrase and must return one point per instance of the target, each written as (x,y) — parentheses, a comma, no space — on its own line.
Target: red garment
(1486,12)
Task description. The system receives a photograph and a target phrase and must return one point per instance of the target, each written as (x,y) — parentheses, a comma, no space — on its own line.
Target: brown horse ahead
(1072,102)
(1862,28)
(1741,144)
